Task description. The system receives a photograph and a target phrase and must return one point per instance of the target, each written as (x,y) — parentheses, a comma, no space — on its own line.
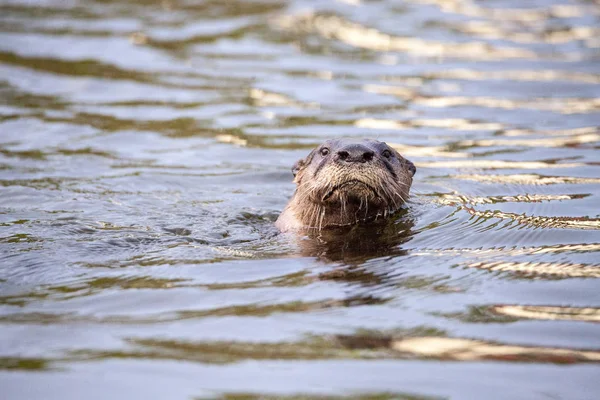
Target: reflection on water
(145,152)
(468,350)
(549,312)
(357,244)
(356,35)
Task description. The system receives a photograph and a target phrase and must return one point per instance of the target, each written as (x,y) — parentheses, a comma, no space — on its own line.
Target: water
(145,152)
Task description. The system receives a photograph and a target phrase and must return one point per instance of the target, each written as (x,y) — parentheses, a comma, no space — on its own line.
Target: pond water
(145,152)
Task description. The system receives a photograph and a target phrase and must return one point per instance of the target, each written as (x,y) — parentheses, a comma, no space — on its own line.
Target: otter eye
(324,151)
(386,153)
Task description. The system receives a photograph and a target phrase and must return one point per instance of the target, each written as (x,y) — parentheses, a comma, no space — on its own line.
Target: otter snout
(355,153)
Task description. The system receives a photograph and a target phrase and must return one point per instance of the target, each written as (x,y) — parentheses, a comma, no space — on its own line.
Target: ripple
(22,363)
(517,75)
(540,221)
(360,346)
(522,15)
(87,68)
(568,141)
(563,106)
(446,123)
(541,269)
(471,350)
(491,30)
(513,251)
(559,105)
(146,151)
(360,36)
(263,98)
(452,200)
(550,313)
(528,179)
(497,164)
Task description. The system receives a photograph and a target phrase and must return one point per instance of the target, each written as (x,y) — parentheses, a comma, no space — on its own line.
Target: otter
(343,182)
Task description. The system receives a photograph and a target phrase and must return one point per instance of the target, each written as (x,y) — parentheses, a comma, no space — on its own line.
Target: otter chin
(343,182)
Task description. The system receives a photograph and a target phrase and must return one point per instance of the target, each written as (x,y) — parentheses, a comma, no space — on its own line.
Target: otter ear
(411,167)
(407,164)
(298,166)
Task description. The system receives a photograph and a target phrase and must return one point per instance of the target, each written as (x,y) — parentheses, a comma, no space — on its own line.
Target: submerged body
(343,182)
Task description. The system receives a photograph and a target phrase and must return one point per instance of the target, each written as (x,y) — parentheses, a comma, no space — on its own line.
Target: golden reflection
(540,221)
(527,179)
(457,124)
(541,142)
(538,269)
(138,38)
(571,34)
(227,138)
(523,25)
(357,35)
(451,199)
(522,15)
(512,251)
(496,164)
(588,130)
(446,123)
(491,30)
(373,123)
(399,91)
(587,314)
(560,248)
(263,98)
(431,151)
(560,105)
(517,75)
(472,350)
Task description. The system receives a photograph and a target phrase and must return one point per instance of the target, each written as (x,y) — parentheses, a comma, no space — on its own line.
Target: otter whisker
(314,216)
(404,184)
(321,221)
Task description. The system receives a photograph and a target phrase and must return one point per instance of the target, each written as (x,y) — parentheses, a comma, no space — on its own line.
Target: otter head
(344,181)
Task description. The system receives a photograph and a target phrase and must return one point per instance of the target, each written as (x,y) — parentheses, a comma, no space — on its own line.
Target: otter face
(344,181)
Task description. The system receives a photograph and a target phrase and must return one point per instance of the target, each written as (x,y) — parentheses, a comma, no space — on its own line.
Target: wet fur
(332,193)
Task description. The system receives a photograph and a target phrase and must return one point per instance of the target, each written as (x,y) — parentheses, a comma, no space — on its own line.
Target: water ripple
(146,150)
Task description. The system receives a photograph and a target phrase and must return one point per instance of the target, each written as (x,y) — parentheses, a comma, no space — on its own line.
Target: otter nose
(355,153)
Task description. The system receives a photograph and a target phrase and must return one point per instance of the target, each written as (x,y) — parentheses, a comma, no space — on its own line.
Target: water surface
(145,152)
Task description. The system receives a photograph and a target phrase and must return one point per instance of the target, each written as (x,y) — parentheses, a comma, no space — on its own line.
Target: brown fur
(355,181)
